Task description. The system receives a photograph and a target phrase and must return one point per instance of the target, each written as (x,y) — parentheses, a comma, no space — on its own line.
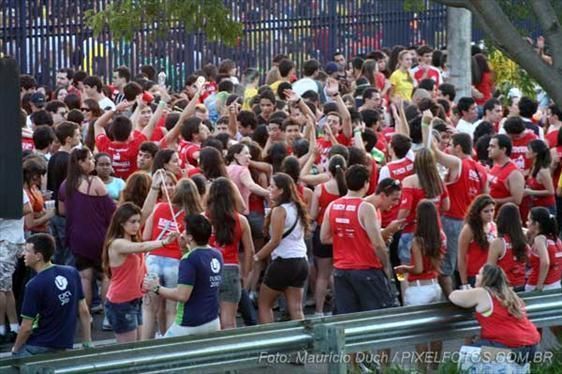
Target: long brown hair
(509,223)
(75,171)
(474,220)
(428,234)
(426,170)
(186,197)
(221,210)
(115,231)
(136,188)
(495,281)
(289,195)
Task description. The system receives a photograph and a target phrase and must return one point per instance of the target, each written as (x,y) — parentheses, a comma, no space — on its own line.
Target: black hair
(482,150)
(369,136)
(388,186)
(483,128)
(199,227)
(189,128)
(149,147)
(260,135)
(400,144)
(42,117)
(547,222)
(64,130)
(370,117)
(337,167)
(310,67)
(542,159)
(123,72)
(514,125)
(527,107)
(504,142)
(427,84)
(285,67)
(300,147)
(464,141)
(464,104)
(121,128)
(54,105)
(448,90)
(490,104)
(44,244)
(94,82)
(356,177)
(43,136)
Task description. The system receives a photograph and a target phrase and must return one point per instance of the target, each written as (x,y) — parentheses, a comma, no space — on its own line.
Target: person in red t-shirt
(424,184)
(506,180)
(465,179)
(338,127)
(554,117)
(424,70)
(361,279)
(510,250)
(520,139)
(475,237)
(428,248)
(539,189)
(125,145)
(500,313)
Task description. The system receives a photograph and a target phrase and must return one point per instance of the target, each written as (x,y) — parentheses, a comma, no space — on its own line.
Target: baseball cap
(514,92)
(38,99)
(331,68)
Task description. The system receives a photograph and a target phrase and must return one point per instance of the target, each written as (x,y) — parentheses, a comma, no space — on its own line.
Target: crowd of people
(357,185)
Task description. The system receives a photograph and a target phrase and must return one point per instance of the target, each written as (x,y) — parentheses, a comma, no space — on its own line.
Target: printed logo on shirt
(215,266)
(61,282)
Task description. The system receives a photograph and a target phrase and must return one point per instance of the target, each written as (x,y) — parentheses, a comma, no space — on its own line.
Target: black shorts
(83,263)
(283,273)
(256,222)
(319,249)
(361,290)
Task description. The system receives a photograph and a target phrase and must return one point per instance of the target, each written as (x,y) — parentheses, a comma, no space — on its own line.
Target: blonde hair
(495,281)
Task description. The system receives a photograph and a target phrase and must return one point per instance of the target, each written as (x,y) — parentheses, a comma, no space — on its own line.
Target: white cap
(514,92)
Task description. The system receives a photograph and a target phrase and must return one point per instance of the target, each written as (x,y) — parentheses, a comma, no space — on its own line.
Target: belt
(423,282)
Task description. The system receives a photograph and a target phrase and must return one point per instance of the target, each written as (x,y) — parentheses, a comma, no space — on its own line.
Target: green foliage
(126,17)
(415,5)
(548,367)
(508,74)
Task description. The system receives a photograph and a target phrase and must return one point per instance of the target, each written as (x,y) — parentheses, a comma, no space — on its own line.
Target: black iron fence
(45,35)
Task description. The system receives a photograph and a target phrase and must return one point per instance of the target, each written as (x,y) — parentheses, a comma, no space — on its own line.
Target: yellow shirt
(403,84)
(249,94)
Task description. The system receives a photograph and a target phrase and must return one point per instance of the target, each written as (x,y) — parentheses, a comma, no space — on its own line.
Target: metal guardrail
(242,348)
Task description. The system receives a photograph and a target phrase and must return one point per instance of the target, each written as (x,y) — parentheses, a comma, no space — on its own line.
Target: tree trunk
(459,30)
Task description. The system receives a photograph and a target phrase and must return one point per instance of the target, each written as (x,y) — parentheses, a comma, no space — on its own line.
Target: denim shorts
(405,247)
(124,317)
(452,229)
(32,350)
(166,267)
(230,289)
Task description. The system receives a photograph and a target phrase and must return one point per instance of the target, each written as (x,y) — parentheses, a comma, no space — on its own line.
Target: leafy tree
(500,20)
(126,17)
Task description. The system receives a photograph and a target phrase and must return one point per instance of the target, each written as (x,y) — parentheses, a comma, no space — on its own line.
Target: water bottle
(162,79)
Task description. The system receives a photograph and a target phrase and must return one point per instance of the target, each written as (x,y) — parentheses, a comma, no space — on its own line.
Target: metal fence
(46,35)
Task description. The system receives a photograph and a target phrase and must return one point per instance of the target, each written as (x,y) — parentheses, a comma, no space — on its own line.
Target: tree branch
(496,23)
(550,24)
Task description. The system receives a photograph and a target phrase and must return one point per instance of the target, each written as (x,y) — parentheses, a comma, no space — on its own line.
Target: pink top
(126,280)
(235,173)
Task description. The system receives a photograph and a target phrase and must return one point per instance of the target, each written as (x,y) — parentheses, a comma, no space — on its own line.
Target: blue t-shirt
(51,300)
(115,187)
(201,269)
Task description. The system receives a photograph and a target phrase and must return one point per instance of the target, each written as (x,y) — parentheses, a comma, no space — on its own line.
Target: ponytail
(337,168)
(547,222)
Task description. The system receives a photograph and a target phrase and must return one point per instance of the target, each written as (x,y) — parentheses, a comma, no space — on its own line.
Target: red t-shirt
(545,201)
(324,200)
(470,183)
(498,179)
(554,249)
(411,196)
(477,256)
(162,225)
(229,251)
(433,73)
(373,180)
(514,269)
(519,150)
(123,154)
(551,138)
(502,327)
(485,87)
(27,144)
(187,152)
(429,271)
(352,247)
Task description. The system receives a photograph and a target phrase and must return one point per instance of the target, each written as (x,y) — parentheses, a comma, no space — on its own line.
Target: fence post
(330,340)
(21,40)
(333,27)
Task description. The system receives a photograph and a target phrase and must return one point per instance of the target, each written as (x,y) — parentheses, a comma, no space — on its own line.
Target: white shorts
(422,295)
(177,330)
(546,287)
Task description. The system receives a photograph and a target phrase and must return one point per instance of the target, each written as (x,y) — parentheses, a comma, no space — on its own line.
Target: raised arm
(125,247)
(187,112)
(332,89)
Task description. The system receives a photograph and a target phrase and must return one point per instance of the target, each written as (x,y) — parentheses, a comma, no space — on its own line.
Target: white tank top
(293,245)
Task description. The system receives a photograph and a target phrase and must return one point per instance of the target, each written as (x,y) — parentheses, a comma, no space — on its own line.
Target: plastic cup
(50,204)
